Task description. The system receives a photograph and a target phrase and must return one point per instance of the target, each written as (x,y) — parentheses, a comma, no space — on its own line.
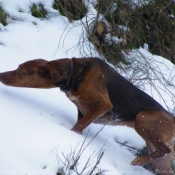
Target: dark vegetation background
(133,23)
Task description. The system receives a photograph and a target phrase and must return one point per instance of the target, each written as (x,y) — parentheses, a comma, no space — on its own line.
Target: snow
(35,123)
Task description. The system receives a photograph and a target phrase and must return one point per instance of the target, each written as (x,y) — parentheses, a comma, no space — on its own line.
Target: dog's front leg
(80,115)
(97,110)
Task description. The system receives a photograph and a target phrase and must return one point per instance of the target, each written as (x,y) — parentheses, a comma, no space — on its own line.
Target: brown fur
(103,96)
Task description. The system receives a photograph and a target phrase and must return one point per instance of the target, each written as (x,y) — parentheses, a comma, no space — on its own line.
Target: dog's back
(126,98)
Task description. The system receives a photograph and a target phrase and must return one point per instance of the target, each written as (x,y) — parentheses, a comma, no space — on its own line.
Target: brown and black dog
(103,96)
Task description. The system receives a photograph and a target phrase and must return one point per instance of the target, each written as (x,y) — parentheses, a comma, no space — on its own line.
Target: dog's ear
(49,71)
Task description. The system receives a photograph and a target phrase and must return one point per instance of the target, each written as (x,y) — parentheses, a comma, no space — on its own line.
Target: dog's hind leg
(156,128)
(162,165)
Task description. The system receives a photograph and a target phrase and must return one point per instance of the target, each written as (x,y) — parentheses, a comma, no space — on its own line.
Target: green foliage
(73,10)
(3,16)
(57,7)
(38,11)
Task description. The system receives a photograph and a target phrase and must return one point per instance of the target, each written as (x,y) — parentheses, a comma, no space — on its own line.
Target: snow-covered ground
(35,123)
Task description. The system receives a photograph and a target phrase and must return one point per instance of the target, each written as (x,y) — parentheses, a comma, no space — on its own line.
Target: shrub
(136,23)
(152,24)
(73,10)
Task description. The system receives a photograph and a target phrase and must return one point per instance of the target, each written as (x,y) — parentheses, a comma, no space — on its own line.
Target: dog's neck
(65,87)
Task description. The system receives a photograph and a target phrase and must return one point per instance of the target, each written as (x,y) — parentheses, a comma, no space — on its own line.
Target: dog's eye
(20,72)
(44,71)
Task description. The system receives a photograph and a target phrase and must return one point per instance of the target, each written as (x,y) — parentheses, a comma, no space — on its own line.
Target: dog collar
(65,88)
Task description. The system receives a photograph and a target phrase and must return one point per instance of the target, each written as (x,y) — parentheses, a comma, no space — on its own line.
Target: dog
(103,96)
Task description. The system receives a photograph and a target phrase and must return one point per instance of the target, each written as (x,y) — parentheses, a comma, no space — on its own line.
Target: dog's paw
(75,130)
(140,160)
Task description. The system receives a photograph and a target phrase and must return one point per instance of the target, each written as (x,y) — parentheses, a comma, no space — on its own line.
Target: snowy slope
(35,123)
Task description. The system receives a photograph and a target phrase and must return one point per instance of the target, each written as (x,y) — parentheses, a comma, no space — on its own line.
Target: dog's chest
(72,97)
(81,103)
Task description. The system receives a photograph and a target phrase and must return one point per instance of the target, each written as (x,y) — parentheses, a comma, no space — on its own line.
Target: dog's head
(37,73)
